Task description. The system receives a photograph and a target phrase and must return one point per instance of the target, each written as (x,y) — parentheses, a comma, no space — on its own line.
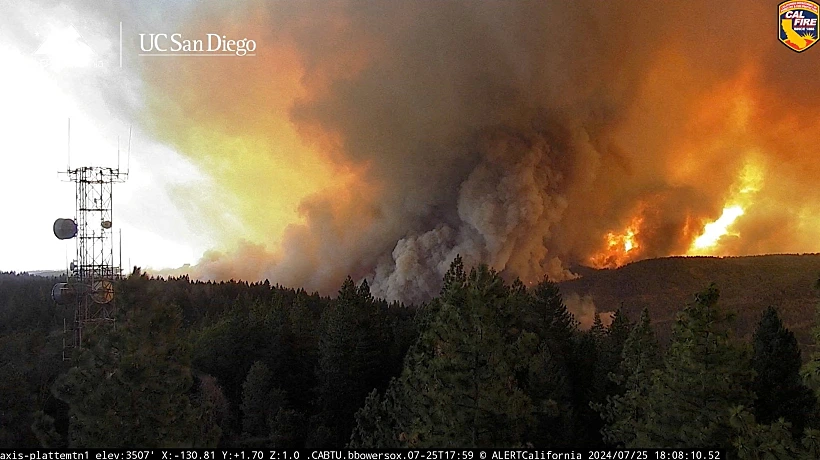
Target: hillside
(747,286)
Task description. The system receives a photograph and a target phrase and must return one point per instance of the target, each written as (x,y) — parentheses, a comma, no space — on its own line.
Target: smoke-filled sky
(380,139)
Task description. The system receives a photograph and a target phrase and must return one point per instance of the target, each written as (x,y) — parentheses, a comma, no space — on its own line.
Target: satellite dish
(65,229)
(106,224)
(102,291)
(63,294)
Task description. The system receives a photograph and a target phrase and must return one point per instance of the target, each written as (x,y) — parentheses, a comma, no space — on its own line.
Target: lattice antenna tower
(89,286)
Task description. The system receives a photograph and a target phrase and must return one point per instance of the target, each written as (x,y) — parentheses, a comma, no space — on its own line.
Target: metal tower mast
(95,269)
(90,279)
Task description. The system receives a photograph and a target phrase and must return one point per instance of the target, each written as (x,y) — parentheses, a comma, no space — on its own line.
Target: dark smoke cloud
(513,133)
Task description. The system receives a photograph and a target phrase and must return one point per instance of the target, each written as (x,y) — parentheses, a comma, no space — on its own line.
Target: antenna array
(89,286)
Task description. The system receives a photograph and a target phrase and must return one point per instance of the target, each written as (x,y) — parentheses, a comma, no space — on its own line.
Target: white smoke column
(506,209)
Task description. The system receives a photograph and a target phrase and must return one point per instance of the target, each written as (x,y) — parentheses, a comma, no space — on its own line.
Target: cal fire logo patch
(798,24)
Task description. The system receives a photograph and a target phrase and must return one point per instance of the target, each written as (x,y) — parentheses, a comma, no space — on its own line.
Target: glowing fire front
(621,248)
(747,185)
(624,246)
(714,231)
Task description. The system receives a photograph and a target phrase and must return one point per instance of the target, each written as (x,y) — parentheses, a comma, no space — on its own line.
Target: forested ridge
(748,285)
(488,362)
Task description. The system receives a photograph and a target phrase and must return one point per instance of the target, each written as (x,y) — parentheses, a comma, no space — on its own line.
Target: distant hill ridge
(47,273)
(747,284)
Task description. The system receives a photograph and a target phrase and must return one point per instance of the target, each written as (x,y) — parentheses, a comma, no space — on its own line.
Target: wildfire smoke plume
(380,139)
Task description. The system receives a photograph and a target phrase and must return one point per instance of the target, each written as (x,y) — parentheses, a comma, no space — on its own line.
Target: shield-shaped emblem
(797,24)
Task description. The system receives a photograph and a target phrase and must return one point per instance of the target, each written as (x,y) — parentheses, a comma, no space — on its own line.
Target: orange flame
(621,248)
(746,186)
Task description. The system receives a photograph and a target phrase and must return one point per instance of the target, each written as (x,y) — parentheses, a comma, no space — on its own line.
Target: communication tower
(90,277)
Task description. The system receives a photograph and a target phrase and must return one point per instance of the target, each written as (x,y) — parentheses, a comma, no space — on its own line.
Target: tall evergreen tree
(582,366)
(779,390)
(610,355)
(388,420)
(286,423)
(253,331)
(256,399)
(640,358)
(811,370)
(549,318)
(384,420)
(598,331)
(546,383)
(350,361)
(556,382)
(704,376)
(131,387)
(459,386)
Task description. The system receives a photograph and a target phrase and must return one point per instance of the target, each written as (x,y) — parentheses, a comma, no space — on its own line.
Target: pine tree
(598,330)
(390,420)
(640,358)
(252,332)
(131,387)
(607,355)
(559,375)
(583,380)
(380,422)
(350,361)
(811,370)
(704,376)
(286,423)
(755,441)
(459,385)
(255,399)
(610,355)
(546,383)
(17,400)
(549,318)
(777,385)
(472,391)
